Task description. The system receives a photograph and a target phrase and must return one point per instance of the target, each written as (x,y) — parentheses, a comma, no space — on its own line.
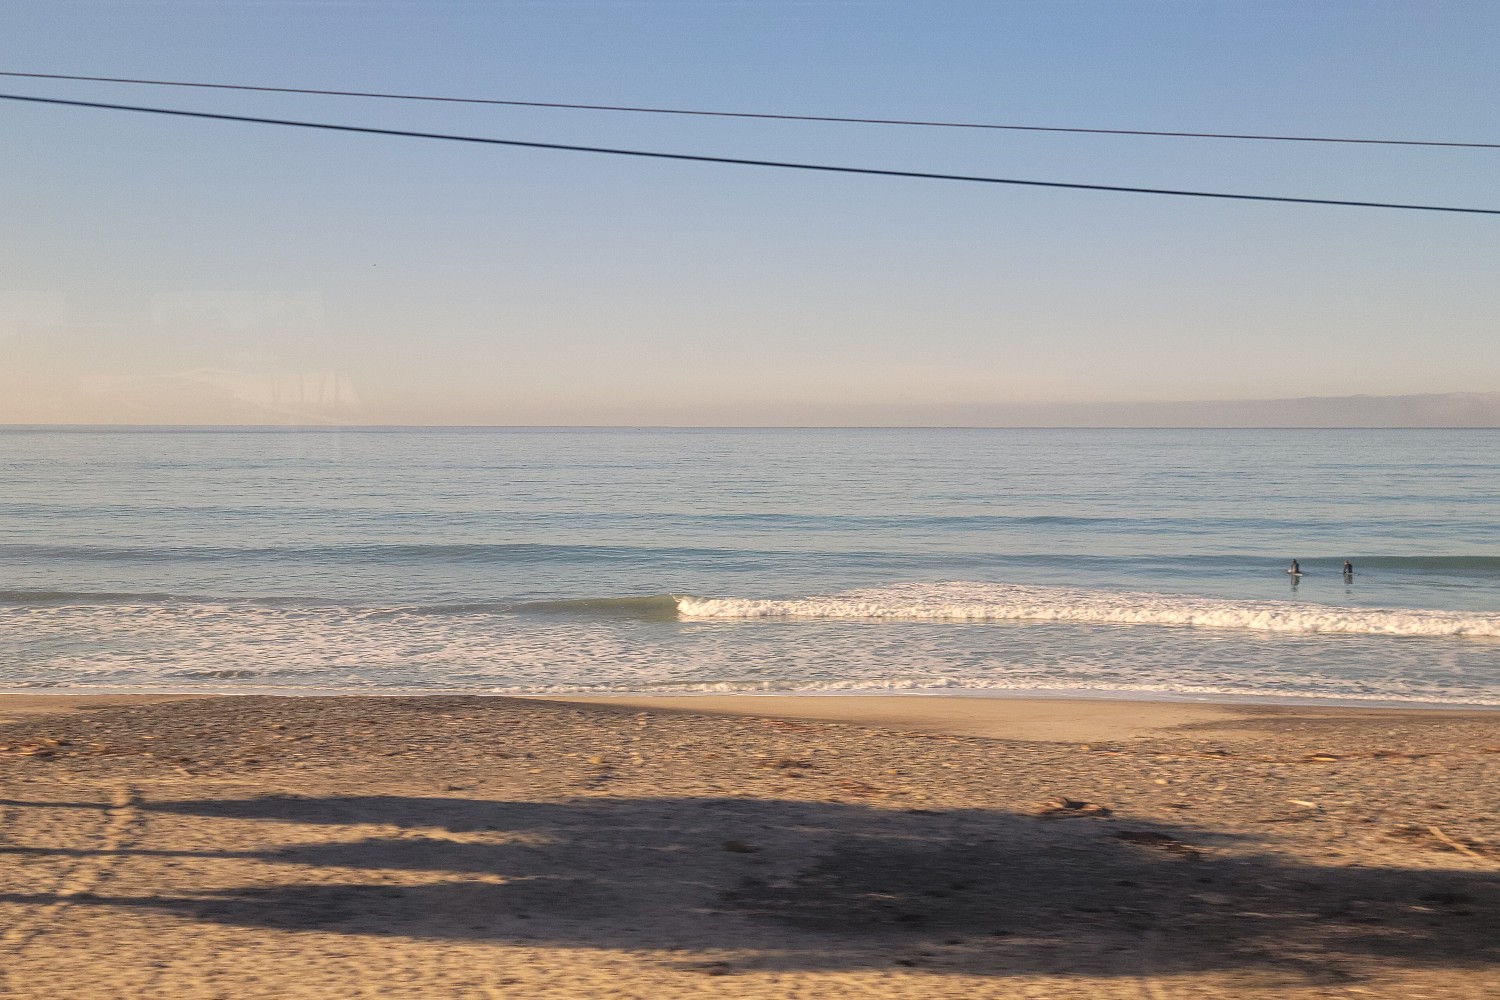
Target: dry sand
(818,847)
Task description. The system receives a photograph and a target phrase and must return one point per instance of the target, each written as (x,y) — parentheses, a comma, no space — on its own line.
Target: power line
(696,158)
(756,115)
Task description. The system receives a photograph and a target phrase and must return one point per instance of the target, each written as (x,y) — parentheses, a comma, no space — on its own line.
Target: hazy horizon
(1425,411)
(164,270)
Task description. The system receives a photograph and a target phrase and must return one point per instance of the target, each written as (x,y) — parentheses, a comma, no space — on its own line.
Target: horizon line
(749,427)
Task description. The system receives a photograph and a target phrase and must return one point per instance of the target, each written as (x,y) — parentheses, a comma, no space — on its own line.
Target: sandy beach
(744,847)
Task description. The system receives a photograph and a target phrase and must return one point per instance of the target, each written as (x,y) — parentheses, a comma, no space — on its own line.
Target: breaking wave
(996,602)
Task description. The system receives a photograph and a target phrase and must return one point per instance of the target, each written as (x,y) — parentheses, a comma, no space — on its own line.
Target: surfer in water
(1348,571)
(1294,569)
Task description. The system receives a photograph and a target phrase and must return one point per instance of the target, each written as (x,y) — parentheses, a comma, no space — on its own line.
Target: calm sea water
(1144,561)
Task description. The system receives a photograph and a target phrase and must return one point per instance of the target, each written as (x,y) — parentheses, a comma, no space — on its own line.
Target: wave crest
(994,602)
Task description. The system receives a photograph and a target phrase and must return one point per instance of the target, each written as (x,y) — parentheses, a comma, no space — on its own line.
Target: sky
(165,270)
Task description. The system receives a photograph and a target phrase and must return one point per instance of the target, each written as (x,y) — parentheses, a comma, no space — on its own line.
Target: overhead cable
(740,161)
(755,115)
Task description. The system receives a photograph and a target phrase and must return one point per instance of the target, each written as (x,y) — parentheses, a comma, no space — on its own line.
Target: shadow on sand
(814,886)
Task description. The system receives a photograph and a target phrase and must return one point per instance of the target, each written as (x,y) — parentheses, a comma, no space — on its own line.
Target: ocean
(1136,563)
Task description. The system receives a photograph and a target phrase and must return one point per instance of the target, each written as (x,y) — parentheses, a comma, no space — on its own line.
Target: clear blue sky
(162,270)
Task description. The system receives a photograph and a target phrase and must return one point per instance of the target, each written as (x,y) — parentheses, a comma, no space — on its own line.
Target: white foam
(994,602)
(187,645)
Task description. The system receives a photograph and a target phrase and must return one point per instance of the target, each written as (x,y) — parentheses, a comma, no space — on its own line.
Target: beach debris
(1160,841)
(1448,898)
(43,748)
(1459,847)
(1434,838)
(1060,808)
(1322,758)
(1305,804)
(861,788)
(714,968)
(789,763)
(1399,756)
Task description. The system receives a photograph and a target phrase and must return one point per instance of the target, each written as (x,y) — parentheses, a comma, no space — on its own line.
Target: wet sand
(1065,719)
(13,707)
(755,847)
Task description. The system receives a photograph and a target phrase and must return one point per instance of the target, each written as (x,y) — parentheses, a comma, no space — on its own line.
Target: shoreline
(1032,716)
(1122,696)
